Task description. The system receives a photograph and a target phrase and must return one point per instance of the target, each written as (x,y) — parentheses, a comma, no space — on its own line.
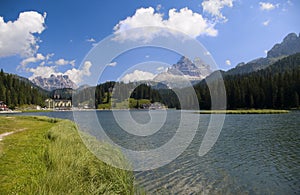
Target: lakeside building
(3,106)
(56,104)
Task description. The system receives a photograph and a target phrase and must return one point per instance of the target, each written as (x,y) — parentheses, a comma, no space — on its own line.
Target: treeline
(119,92)
(15,92)
(277,87)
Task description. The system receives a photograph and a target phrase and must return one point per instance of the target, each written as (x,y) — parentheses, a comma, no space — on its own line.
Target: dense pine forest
(15,92)
(277,86)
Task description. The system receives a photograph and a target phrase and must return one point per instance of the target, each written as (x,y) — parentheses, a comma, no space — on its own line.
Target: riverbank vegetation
(48,157)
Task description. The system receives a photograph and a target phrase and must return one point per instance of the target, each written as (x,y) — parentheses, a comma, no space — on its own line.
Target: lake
(254,154)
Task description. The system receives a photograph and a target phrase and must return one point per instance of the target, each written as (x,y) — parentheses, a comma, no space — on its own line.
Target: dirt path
(9,133)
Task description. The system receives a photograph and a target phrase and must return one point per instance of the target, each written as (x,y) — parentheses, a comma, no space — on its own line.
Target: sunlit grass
(50,158)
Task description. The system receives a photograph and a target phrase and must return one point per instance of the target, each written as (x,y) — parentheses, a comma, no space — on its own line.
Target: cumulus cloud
(34,59)
(43,71)
(228,62)
(214,7)
(19,37)
(266,23)
(74,74)
(185,21)
(62,62)
(267,6)
(112,64)
(137,75)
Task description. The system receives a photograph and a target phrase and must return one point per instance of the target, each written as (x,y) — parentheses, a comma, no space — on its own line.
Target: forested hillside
(15,92)
(278,86)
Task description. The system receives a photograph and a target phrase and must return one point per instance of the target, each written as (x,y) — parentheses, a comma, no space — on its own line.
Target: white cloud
(62,62)
(137,75)
(185,21)
(228,62)
(18,37)
(267,6)
(74,74)
(266,23)
(43,71)
(266,51)
(207,53)
(112,64)
(159,69)
(214,7)
(33,59)
(91,40)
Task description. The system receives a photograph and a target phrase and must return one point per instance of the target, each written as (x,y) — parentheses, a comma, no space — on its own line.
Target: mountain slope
(290,45)
(17,91)
(276,87)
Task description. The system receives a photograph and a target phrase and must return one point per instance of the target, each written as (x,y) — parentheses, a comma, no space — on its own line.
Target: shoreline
(244,111)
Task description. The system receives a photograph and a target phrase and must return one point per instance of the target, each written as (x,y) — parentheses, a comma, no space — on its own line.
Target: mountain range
(54,82)
(194,71)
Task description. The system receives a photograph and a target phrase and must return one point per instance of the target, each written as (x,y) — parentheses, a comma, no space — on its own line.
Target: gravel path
(9,133)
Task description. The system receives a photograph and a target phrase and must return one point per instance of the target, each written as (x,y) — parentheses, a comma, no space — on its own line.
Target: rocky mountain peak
(183,70)
(290,37)
(290,45)
(196,70)
(54,82)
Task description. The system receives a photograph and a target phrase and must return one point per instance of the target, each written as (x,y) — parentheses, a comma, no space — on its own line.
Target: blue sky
(38,38)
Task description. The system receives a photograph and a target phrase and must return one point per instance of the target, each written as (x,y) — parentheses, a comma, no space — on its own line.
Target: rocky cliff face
(290,45)
(54,82)
(184,71)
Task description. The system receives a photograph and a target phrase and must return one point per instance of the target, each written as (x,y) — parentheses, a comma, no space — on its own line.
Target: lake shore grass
(250,111)
(49,157)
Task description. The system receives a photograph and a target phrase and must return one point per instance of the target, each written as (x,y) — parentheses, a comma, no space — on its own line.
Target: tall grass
(53,160)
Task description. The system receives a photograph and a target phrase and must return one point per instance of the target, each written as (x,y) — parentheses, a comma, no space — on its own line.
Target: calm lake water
(254,154)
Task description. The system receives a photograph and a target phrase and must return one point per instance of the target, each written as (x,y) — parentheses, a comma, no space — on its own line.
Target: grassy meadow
(48,157)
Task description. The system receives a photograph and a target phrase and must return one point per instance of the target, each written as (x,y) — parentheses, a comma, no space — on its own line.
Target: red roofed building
(3,106)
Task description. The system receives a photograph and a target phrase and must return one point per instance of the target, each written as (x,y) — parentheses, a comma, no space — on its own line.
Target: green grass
(251,111)
(50,158)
